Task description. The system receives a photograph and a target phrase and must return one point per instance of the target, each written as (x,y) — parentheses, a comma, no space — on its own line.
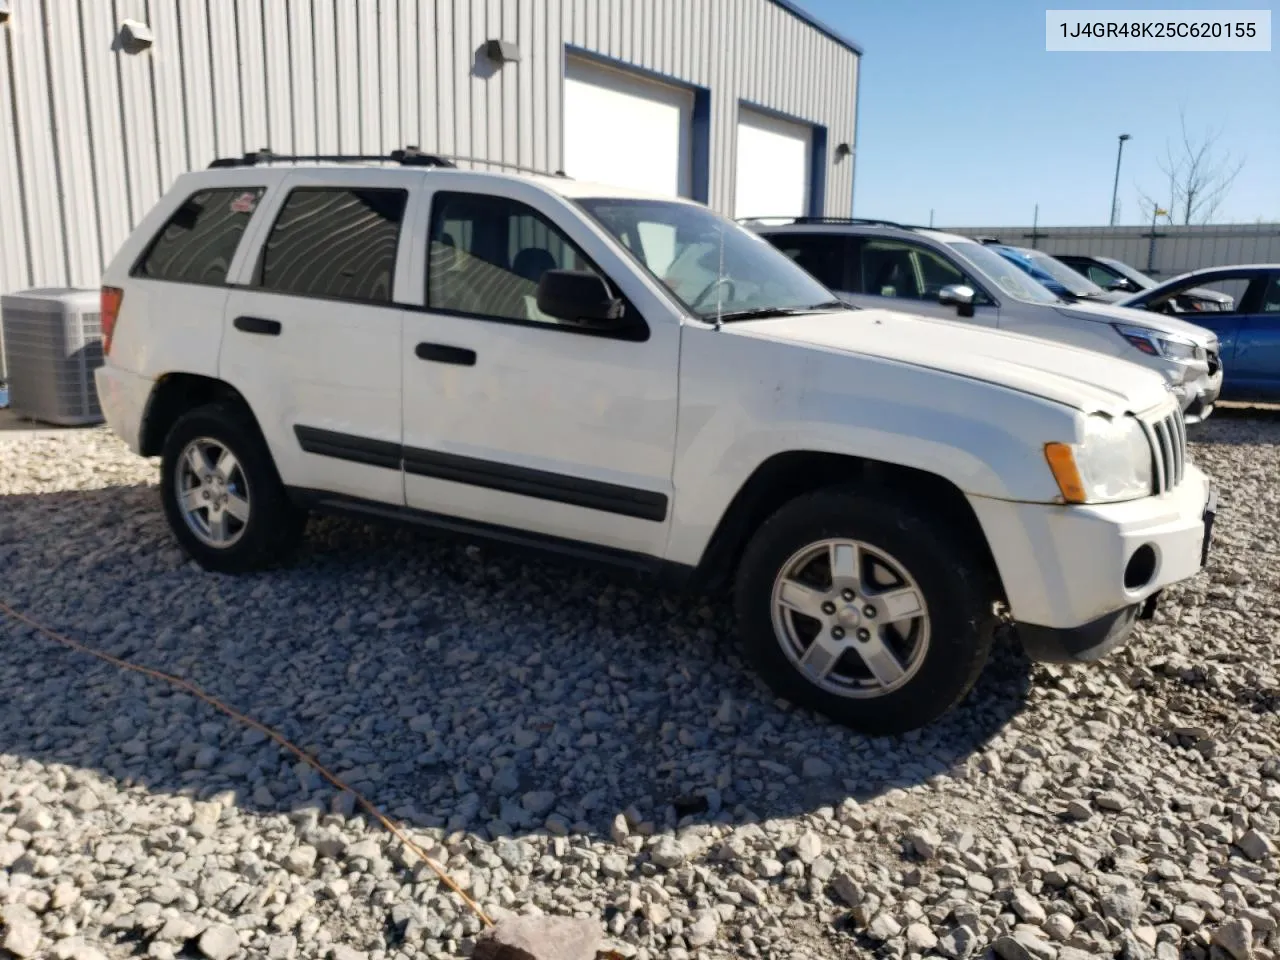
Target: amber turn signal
(1063,464)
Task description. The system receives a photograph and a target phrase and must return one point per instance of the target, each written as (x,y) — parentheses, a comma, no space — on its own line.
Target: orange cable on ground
(249,721)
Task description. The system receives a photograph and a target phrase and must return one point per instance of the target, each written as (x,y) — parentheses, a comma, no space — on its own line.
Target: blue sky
(963,111)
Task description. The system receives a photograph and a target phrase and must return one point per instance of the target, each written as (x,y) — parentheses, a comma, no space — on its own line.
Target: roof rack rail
(819,220)
(407,157)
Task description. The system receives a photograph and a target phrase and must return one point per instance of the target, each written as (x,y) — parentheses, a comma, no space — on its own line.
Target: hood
(1160,322)
(1078,378)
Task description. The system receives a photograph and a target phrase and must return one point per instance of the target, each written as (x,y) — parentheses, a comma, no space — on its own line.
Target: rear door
(1256,364)
(900,275)
(312,329)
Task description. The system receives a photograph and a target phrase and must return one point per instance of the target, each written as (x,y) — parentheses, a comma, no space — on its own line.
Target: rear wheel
(221,493)
(865,610)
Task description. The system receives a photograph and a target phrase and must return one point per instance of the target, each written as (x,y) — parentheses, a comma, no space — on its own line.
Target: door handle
(268,328)
(442,353)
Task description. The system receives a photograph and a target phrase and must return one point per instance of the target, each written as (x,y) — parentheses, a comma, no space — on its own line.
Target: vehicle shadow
(456,686)
(1238,425)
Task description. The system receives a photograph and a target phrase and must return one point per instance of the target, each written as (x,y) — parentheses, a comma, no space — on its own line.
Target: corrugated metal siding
(91,136)
(1175,249)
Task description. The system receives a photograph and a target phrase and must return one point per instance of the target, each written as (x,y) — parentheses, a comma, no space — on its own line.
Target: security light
(135,37)
(501,51)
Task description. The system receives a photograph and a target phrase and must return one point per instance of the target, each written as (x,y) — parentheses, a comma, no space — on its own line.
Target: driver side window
(892,268)
(487,255)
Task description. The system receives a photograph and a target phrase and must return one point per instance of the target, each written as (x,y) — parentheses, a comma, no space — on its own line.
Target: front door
(515,419)
(312,332)
(1256,363)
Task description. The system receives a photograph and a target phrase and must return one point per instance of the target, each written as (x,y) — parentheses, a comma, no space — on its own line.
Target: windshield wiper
(761,313)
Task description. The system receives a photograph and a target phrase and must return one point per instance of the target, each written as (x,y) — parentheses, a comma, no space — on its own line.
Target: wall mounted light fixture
(5,11)
(501,51)
(135,37)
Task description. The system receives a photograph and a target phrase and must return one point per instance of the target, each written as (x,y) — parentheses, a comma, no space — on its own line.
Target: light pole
(1115,188)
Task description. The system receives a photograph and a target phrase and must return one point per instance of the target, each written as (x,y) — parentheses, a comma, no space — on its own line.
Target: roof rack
(819,220)
(407,157)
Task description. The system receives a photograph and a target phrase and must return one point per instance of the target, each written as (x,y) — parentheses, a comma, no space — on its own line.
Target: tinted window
(822,256)
(199,240)
(488,253)
(330,242)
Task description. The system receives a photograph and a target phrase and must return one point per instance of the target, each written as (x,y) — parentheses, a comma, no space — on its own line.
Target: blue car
(1249,330)
(1054,274)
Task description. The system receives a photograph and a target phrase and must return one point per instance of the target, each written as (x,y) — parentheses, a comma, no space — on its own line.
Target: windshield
(712,266)
(1079,285)
(1002,274)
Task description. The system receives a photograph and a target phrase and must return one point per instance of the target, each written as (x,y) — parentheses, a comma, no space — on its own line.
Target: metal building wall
(1172,251)
(90,136)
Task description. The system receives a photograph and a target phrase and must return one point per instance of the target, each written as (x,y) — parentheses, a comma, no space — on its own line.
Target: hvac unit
(53,343)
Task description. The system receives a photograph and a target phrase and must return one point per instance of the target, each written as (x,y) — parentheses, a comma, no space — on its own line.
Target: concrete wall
(91,136)
(1174,250)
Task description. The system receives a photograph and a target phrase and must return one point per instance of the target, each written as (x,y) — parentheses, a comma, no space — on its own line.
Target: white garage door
(773,166)
(626,130)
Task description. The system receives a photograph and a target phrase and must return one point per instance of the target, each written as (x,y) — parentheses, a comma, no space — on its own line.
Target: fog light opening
(1141,567)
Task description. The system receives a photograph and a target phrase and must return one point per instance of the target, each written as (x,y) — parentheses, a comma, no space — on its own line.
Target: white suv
(641,381)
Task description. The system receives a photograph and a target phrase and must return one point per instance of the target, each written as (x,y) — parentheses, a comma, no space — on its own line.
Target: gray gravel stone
(219,942)
(1256,845)
(1236,938)
(536,738)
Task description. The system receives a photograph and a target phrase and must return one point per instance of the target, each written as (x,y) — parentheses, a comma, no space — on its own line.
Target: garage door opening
(775,169)
(627,130)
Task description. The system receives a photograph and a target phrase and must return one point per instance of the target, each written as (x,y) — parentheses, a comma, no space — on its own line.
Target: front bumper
(1064,567)
(1199,395)
(123,397)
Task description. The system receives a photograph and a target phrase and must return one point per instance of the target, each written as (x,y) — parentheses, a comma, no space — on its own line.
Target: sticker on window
(244,203)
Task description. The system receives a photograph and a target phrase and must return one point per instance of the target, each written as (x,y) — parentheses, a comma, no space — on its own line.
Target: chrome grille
(1168,439)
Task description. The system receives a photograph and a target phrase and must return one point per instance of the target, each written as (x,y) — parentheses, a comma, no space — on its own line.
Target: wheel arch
(785,476)
(177,393)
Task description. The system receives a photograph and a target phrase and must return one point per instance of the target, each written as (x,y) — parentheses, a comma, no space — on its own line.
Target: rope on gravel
(279,738)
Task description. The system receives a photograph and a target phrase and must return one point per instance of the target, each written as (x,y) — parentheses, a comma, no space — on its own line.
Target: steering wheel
(719,281)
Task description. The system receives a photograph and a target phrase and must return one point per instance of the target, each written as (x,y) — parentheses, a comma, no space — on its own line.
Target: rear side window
(822,256)
(335,243)
(197,243)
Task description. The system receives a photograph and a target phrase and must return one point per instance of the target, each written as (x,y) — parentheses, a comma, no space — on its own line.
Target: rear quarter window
(198,242)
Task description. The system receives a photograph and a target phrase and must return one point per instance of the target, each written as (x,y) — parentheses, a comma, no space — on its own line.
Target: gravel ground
(575,743)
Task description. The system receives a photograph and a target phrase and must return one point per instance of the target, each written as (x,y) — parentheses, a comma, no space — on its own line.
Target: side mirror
(577,296)
(958,295)
(1120,284)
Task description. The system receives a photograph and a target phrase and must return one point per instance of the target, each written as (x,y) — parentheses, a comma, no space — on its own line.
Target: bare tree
(1200,177)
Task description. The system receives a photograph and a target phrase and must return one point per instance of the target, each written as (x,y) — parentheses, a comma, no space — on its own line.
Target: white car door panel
(512,418)
(312,331)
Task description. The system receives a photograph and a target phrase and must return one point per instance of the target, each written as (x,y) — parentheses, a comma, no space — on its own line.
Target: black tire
(274,526)
(954,580)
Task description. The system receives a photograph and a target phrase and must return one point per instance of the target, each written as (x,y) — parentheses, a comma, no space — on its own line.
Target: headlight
(1113,462)
(1154,344)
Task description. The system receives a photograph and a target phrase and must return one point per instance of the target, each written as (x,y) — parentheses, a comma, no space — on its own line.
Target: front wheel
(221,493)
(865,610)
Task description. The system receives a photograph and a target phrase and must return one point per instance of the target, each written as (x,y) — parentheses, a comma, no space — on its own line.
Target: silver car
(876,263)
